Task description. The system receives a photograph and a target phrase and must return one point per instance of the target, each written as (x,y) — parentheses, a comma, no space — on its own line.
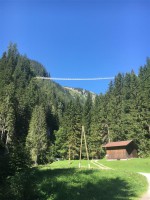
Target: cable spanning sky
(76,79)
(79,38)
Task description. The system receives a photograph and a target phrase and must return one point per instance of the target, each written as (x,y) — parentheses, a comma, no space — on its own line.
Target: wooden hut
(121,150)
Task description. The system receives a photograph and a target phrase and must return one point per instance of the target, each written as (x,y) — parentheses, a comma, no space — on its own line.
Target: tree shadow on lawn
(71,184)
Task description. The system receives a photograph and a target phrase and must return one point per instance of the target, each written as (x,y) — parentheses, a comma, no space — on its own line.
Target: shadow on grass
(71,184)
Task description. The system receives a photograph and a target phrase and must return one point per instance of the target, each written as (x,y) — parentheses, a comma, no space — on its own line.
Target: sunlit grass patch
(134,165)
(64,181)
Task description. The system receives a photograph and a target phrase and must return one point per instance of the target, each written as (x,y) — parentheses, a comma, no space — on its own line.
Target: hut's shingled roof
(117,144)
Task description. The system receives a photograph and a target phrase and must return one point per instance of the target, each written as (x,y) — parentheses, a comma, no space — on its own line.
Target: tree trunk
(69,154)
(35,162)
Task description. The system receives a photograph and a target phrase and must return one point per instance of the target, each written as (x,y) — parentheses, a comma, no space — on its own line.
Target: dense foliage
(123,113)
(41,121)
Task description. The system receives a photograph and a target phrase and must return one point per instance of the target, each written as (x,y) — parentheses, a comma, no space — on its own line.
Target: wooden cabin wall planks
(121,150)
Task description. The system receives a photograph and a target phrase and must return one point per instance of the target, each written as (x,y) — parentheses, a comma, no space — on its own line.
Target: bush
(20,186)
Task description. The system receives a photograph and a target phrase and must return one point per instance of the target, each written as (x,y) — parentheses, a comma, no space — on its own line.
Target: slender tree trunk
(69,153)
(6,144)
(108,134)
(80,150)
(35,163)
(86,146)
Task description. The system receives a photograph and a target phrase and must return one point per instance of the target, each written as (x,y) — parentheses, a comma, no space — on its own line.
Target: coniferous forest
(41,121)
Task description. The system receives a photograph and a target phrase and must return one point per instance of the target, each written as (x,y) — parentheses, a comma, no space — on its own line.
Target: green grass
(133,165)
(65,164)
(61,181)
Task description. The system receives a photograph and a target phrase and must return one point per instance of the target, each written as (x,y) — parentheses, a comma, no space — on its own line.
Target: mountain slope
(79,92)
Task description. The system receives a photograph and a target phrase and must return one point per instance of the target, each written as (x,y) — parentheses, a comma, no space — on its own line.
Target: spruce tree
(36,141)
(95,139)
(61,143)
(87,109)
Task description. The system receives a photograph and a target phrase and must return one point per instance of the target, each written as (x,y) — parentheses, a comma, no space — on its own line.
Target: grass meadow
(133,165)
(63,181)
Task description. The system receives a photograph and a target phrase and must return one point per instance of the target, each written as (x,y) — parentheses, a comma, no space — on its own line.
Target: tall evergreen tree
(36,140)
(87,114)
(61,143)
(95,139)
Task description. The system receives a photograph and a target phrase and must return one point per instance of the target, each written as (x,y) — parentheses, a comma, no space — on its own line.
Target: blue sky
(79,38)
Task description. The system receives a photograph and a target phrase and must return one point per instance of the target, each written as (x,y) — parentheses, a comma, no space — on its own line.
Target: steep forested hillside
(40,120)
(123,113)
(81,93)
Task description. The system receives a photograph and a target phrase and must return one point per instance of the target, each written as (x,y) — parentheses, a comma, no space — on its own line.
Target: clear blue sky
(79,38)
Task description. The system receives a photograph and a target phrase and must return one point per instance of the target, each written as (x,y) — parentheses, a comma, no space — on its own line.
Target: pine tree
(114,108)
(72,132)
(95,140)
(7,122)
(36,140)
(87,114)
(144,109)
(61,143)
